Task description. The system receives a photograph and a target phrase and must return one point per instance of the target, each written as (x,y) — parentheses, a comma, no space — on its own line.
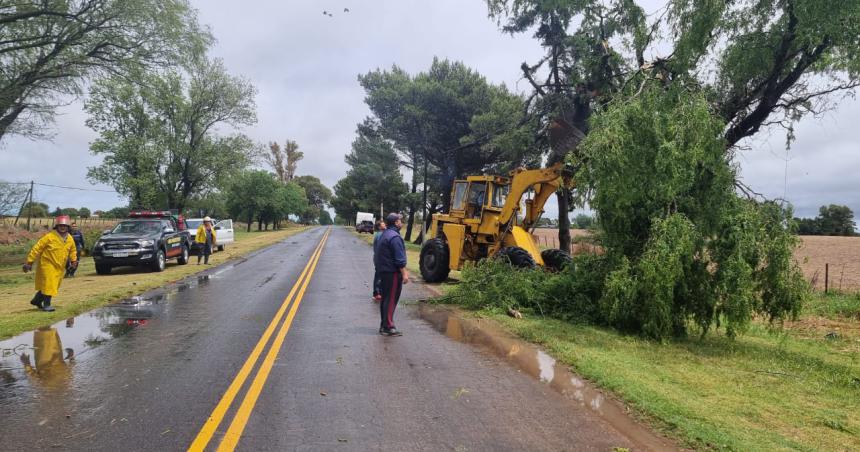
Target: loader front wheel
(555,259)
(517,257)
(434,261)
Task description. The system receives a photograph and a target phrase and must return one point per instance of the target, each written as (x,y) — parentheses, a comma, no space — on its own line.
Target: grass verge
(88,290)
(770,389)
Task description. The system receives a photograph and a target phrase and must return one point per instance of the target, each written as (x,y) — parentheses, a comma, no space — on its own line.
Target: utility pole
(30,209)
(28,201)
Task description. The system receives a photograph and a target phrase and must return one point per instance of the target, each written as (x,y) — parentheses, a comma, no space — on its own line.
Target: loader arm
(545,182)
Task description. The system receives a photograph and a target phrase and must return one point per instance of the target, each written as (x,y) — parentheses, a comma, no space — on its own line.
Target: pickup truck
(147,239)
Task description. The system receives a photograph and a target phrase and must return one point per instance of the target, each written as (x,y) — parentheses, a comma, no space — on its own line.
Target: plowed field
(841,253)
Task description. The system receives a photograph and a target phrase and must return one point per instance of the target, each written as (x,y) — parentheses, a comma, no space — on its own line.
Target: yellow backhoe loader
(486,220)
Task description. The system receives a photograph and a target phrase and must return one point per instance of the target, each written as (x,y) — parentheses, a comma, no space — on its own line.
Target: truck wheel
(555,259)
(159,263)
(102,269)
(517,257)
(220,247)
(183,258)
(434,261)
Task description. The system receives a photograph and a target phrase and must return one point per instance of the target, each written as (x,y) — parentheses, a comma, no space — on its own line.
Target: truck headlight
(146,243)
(100,244)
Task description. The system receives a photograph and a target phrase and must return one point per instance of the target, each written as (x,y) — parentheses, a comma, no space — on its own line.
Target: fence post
(826,277)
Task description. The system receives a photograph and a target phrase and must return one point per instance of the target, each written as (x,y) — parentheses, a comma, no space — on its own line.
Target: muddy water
(538,364)
(45,358)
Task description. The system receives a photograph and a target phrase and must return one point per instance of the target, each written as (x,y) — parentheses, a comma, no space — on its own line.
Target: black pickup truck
(147,239)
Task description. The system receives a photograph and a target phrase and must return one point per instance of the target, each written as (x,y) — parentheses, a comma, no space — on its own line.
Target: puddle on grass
(544,368)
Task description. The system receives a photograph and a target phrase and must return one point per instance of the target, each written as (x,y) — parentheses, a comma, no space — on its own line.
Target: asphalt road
(186,367)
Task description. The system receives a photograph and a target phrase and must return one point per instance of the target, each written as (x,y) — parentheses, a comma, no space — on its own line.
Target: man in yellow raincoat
(205,237)
(53,250)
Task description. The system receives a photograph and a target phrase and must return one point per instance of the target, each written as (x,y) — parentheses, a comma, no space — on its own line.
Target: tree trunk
(563,219)
(412,200)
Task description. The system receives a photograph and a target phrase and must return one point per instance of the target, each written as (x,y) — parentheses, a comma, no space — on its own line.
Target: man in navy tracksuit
(389,257)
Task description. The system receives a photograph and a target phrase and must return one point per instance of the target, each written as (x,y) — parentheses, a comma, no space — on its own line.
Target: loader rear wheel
(434,261)
(555,259)
(517,257)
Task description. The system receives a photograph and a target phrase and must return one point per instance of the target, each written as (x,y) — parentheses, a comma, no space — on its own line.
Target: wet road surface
(164,371)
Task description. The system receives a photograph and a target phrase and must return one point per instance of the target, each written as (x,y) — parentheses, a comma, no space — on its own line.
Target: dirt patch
(841,253)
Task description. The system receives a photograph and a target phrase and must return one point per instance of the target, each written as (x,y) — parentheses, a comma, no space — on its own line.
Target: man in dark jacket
(78,237)
(389,257)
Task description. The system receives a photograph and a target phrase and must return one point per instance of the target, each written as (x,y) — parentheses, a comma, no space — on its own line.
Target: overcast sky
(305,65)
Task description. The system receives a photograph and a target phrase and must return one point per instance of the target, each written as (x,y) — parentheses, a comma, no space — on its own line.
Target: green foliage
(158,136)
(831,220)
(452,116)
(258,195)
(318,196)
(325,218)
(571,294)
(583,221)
(49,49)
(373,179)
(34,209)
(836,220)
(116,212)
(687,248)
(682,249)
(83,212)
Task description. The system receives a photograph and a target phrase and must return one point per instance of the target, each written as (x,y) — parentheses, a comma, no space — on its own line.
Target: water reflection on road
(44,359)
(541,366)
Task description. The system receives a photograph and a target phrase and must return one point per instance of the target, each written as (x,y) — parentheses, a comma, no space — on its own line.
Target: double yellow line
(240,419)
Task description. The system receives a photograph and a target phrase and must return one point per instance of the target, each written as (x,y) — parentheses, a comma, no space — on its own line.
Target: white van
(224,234)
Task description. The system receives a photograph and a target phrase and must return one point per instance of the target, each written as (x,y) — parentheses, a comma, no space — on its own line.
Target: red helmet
(62,219)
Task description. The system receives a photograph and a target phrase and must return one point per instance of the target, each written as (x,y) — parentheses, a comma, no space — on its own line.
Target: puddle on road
(43,358)
(544,368)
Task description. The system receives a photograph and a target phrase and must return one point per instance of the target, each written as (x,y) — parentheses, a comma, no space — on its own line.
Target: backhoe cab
(488,219)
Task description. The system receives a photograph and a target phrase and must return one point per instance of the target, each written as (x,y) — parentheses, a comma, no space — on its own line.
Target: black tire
(159,263)
(220,247)
(103,269)
(555,259)
(434,261)
(183,257)
(517,257)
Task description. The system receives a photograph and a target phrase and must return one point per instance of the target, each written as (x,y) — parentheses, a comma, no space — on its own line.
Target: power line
(60,186)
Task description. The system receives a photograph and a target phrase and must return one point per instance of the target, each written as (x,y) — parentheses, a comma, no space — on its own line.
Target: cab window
(500,195)
(477,192)
(459,196)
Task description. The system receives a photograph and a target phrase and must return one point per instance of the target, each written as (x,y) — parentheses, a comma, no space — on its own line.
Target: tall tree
(449,115)
(260,196)
(373,181)
(284,160)
(762,63)
(48,49)
(293,155)
(318,196)
(162,134)
(835,220)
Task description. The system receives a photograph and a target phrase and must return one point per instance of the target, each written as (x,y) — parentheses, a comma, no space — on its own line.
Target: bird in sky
(346,10)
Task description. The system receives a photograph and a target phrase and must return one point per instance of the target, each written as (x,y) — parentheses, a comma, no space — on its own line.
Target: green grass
(766,390)
(88,290)
(834,305)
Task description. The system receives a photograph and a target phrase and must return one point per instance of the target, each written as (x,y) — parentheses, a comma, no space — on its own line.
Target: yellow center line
(209,428)
(237,426)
